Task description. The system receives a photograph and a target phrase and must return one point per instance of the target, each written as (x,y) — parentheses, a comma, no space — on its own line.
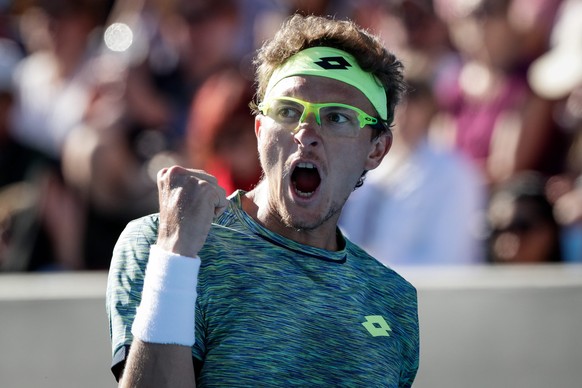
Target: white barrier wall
(480,327)
(500,327)
(53,331)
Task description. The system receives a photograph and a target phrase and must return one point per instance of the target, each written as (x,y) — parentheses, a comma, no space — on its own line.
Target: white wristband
(166,312)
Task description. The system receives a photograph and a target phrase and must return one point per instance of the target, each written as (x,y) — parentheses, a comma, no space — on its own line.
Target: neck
(257,205)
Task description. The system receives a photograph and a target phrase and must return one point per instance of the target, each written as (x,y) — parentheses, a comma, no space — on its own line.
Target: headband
(333,63)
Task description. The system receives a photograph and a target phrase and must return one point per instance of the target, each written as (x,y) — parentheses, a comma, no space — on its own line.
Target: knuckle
(204,185)
(162,173)
(168,172)
(175,169)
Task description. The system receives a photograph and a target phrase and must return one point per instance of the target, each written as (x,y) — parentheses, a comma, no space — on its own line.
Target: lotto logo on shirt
(377,326)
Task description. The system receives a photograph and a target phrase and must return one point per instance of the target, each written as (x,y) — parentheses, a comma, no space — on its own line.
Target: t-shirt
(272,312)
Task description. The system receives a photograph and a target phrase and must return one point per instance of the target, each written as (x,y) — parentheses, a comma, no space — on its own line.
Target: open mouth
(305,179)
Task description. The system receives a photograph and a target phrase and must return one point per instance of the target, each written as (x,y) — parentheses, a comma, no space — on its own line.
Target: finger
(177,176)
(167,176)
(160,177)
(222,202)
(203,175)
(176,170)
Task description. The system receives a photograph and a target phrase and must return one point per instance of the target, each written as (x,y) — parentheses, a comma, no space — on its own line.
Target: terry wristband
(166,312)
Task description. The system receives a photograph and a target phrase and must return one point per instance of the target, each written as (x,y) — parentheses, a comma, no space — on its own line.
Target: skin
(190,199)
(340,162)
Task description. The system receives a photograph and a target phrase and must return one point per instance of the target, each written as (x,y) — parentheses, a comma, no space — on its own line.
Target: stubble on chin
(277,211)
(298,225)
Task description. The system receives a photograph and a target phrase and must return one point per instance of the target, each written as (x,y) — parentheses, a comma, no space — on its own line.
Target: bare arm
(158,365)
(189,200)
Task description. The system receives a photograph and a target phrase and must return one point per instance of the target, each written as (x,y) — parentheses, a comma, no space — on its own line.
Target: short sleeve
(125,284)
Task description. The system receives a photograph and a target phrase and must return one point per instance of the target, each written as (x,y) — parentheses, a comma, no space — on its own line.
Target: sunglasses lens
(334,119)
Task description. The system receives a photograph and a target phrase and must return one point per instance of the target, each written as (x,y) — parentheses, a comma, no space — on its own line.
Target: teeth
(305,165)
(302,194)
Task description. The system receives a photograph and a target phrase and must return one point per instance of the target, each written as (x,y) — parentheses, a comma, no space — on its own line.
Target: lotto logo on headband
(318,61)
(333,63)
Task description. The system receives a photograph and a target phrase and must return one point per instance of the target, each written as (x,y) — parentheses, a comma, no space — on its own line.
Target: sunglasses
(334,118)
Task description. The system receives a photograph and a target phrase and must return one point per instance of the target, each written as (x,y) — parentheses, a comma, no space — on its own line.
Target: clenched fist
(189,201)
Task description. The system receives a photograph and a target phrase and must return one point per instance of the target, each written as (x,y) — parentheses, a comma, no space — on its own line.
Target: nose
(308,132)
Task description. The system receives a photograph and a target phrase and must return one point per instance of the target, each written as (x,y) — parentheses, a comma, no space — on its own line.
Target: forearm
(158,365)
(163,328)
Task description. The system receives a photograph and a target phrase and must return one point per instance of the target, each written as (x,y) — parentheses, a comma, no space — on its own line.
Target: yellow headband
(337,64)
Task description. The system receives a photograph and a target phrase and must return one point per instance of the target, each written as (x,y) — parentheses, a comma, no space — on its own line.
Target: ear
(258,125)
(378,149)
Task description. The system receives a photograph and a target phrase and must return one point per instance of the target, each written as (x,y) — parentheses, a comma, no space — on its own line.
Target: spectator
(500,124)
(522,225)
(557,76)
(136,122)
(12,157)
(219,140)
(176,46)
(423,205)
(270,17)
(107,162)
(566,192)
(53,84)
(416,31)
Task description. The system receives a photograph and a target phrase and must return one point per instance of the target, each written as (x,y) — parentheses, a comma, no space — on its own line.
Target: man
(280,296)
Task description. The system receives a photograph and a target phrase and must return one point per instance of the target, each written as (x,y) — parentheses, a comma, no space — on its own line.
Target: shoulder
(139,232)
(145,224)
(381,275)
(131,252)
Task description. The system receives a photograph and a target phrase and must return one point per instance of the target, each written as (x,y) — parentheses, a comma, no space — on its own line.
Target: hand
(189,201)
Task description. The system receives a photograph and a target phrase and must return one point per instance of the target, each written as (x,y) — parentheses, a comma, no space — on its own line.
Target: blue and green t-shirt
(274,312)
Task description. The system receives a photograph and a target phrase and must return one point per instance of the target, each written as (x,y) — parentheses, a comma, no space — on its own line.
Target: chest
(299,325)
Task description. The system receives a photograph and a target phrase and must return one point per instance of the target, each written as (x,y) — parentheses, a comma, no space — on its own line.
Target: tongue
(306,179)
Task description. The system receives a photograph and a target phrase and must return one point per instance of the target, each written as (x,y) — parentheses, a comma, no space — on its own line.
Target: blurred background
(479,199)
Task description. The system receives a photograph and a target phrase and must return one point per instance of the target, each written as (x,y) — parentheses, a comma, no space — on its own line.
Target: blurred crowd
(97,95)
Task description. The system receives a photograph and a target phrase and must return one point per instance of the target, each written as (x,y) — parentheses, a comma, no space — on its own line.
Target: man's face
(310,171)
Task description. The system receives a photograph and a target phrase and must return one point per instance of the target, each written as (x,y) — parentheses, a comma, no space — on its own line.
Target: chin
(312,219)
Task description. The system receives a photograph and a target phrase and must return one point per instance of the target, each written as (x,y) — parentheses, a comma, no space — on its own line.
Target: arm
(158,365)
(411,346)
(189,200)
